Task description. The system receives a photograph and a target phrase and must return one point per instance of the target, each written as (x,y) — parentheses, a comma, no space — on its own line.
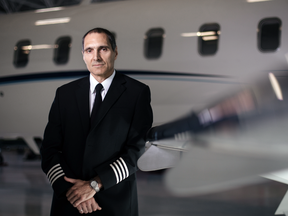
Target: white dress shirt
(106,85)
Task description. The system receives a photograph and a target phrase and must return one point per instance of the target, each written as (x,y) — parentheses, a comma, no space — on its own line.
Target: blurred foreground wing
(280,176)
(161,154)
(283,207)
(233,141)
(204,171)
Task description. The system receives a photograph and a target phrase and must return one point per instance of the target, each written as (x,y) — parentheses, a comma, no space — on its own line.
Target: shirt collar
(106,83)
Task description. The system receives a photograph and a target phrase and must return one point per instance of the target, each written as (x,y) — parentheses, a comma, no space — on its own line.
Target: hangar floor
(25,191)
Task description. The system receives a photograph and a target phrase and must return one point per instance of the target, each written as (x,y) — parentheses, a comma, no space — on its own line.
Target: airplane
(190,53)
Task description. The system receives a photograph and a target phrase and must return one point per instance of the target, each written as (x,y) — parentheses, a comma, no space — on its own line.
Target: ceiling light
(53,21)
(253,1)
(44,10)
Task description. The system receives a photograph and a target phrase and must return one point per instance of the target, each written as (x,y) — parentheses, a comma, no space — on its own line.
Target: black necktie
(97,103)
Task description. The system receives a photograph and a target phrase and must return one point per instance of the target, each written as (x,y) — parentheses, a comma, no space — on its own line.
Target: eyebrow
(105,46)
(100,47)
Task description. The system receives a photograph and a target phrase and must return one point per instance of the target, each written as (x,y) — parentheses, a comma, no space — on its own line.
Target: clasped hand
(80,195)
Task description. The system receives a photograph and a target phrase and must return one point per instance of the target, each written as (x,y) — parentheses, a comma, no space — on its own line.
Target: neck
(100,79)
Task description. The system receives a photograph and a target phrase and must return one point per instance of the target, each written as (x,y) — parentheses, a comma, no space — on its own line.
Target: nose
(96,56)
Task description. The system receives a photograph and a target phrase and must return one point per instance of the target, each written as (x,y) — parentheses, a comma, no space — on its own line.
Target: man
(91,165)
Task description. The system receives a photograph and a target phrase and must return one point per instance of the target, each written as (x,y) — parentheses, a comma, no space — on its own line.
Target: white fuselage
(24,104)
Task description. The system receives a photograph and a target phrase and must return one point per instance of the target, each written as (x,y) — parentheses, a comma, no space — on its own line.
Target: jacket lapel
(115,91)
(82,97)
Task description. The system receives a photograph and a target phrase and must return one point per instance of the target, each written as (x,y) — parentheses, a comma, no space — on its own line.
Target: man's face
(99,56)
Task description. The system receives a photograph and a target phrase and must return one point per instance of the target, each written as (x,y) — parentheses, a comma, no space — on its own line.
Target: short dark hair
(109,34)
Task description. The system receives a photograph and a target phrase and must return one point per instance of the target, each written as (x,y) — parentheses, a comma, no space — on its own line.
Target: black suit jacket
(110,149)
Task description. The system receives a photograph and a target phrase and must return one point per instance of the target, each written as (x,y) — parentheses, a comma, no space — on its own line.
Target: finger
(98,208)
(85,210)
(89,206)
(81,198)
(95,205)
(75,203)
(78,201)
(72,198)
(73,181)
(80,209)
(69,193)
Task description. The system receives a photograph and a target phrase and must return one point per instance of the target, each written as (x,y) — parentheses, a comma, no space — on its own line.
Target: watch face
(93,184)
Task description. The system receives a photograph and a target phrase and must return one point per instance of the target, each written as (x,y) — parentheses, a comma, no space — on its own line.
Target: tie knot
(98,88)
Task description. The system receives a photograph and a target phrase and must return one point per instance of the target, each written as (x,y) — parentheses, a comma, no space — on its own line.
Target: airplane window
(61,50)
(269,33)
(21,53)
(208,39)
(153,43)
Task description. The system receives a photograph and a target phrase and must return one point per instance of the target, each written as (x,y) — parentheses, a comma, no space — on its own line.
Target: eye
(88,50)
(104,49)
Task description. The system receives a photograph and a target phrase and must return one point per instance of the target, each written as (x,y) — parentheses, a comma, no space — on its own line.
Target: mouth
(97,65)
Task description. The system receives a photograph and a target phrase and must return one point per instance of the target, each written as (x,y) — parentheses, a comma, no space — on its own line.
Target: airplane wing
(230,143)
(280,176)
(162,154)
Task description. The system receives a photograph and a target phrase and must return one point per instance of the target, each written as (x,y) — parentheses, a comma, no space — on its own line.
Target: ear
(116,53)
(83,55)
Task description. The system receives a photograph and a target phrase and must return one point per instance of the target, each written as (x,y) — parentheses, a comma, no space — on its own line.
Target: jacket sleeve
(125,164)
(53,164)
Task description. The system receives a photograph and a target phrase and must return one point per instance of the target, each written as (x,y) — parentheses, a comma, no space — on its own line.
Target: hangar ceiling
(12,6)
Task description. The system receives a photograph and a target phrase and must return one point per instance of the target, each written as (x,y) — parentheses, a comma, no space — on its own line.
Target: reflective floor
(25,191)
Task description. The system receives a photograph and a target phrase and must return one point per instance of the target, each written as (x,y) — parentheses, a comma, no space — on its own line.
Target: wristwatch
(94,185)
